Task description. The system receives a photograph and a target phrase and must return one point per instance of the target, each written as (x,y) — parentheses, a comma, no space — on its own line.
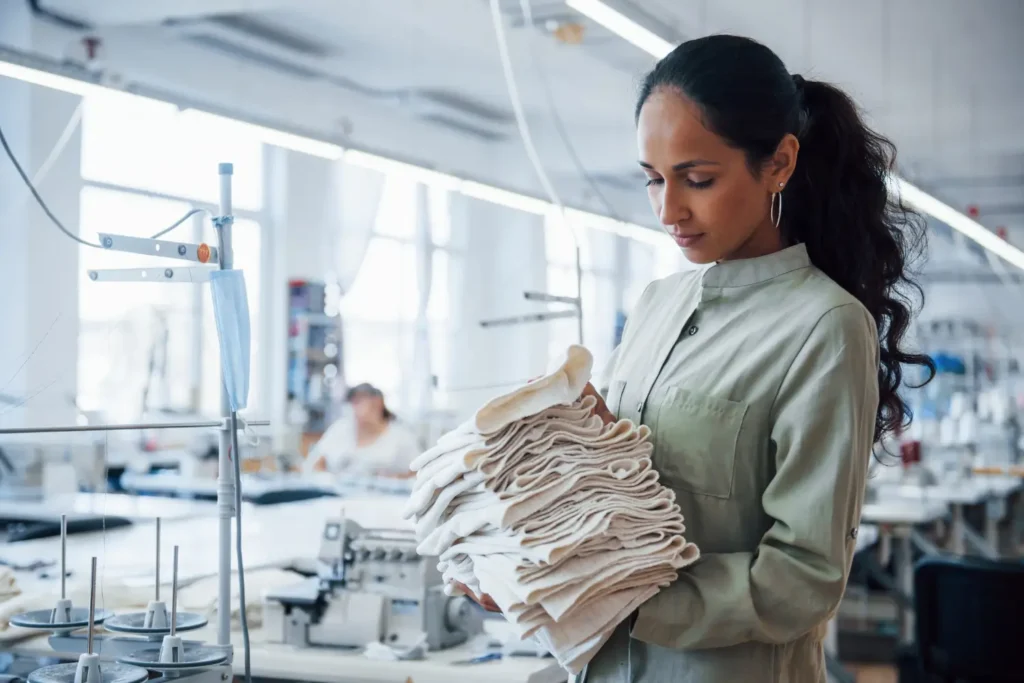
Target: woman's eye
(700,184)
(653,181)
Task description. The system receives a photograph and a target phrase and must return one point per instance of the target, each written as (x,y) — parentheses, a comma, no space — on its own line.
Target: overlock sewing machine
(372,586)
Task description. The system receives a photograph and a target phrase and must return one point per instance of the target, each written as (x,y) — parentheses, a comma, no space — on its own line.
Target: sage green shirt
(759,380)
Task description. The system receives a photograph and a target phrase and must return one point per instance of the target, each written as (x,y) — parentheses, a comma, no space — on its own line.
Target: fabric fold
(556,516)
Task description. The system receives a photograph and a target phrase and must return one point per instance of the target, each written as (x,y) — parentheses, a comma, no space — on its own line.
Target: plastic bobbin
(61,614)
(172,651)
(156,616)
(88,670)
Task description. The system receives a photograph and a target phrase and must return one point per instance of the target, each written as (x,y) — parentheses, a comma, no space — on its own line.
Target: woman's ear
(782,163)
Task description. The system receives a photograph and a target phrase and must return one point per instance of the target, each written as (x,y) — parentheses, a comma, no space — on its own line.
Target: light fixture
(512,200)
(327,150)
(919,199)
(970,228)
(273,136)
(616,227)
(622,26)
(73,86)
(384,165)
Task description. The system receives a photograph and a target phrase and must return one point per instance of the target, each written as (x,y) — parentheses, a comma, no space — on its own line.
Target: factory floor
(873,673)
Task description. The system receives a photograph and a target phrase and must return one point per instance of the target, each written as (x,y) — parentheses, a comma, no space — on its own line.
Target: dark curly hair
(837,201)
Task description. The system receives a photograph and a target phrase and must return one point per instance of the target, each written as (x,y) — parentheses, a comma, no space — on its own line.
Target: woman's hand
(601,409)
(484,600)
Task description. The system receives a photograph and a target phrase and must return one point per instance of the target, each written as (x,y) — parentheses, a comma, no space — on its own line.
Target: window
(153,146)
(144,165)
(379,310)
(126,326)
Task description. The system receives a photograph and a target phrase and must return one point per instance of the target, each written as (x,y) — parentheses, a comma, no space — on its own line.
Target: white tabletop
(272,536)
(902,511)
(81,504)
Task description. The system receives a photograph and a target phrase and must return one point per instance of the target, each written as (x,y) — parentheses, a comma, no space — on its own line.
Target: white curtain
(422,384)
(352,206)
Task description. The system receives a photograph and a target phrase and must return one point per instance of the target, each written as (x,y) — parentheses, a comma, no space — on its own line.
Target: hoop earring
(776,217)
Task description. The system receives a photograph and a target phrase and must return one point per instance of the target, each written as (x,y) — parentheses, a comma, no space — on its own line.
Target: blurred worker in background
(369,441)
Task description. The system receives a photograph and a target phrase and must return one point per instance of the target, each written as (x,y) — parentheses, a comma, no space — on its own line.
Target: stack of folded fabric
(557,516)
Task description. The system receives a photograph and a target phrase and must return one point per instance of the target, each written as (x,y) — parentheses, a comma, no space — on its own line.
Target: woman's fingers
(601,409)
(484,600)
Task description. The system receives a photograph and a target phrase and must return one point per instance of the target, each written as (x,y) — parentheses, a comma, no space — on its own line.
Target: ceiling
(422,80)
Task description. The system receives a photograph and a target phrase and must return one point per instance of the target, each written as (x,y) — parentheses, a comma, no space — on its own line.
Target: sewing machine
(371,586)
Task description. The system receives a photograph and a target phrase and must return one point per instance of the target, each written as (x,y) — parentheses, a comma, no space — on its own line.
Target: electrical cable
(236,458)
(35,193)
(56,221)
(531,151)
(559,122)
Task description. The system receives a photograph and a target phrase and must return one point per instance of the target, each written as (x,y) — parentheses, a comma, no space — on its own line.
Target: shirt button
(692,331)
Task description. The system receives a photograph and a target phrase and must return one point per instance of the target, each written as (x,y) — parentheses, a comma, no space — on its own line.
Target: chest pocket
(695,441)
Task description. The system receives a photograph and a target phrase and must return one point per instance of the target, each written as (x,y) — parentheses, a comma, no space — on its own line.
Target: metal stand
(191,660)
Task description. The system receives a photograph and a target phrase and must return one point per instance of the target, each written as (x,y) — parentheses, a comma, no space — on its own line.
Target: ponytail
(855,231)
(837,200)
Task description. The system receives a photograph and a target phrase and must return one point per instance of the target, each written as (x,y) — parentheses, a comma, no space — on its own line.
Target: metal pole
(157,598)
(174,594)
(225,475)
(579,290)
(125,427)
(92,602)
(63,556)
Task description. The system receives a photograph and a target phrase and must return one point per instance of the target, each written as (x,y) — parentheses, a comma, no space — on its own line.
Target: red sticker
(203,253)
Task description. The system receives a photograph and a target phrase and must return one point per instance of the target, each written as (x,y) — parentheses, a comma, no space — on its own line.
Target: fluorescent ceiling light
(66,84)
(623,26)
(327,150)
(620,228)
(417,173)
(512,200)
(273,136)
(925,203)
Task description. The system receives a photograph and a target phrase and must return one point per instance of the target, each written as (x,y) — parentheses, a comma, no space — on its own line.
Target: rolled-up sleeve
(822,434)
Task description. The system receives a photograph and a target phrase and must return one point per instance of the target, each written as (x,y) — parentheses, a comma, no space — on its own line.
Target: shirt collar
(745,272)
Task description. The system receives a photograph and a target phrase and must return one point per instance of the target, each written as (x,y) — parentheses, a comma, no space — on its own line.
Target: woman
(767,376)
(372,442)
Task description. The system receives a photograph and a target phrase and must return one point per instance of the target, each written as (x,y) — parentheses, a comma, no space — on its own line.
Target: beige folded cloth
(558,517)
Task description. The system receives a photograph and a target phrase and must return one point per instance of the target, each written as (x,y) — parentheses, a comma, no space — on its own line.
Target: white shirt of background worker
(370,441)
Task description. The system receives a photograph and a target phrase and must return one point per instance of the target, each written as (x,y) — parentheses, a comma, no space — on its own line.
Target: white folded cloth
(556,516)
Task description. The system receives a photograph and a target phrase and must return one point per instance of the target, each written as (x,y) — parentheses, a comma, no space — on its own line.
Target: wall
(38,265)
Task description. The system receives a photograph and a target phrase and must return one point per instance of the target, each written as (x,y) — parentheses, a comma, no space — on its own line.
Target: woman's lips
(687,241)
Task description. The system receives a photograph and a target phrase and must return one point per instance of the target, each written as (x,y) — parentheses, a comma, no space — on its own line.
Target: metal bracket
(551,298)
(158,274)
(540,297)
(528,318)
(183,251)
